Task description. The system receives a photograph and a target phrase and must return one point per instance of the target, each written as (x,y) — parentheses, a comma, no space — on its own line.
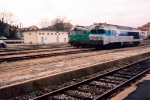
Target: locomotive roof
(82,27)
(111,26)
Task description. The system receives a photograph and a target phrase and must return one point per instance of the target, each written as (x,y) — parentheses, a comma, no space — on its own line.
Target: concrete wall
(52,36)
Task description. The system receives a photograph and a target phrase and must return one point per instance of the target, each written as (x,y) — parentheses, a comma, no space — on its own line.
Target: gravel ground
(37,45)
(25,70)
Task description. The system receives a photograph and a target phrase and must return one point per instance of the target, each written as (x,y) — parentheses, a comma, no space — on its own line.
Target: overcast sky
(131,13)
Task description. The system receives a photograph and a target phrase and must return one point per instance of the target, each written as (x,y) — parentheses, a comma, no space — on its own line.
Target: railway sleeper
(116,78)
(122,76)
(79,96)
(91,89)
(115,81)
(61,97)
(110,81)
(100,84)
(127,74)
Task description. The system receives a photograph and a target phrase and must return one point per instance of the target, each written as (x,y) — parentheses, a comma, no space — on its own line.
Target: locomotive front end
(97,37)
(79,36)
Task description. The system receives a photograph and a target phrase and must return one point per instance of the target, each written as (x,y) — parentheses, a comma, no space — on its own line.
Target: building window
(29,33)
(47,33)
(55,33)
(58,33)
(42,33)
(39,33)
(51,33)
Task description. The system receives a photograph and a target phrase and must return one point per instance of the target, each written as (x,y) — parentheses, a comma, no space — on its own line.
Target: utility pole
(2,30)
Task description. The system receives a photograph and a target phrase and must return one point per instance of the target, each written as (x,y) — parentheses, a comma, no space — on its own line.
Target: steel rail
(9,59)
(32,51)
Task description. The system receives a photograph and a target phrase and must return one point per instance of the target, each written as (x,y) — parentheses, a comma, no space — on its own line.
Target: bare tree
(60,23)
(8,17)
(44,23)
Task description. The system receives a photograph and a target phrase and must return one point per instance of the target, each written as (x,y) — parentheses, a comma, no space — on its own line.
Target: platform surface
(138,91)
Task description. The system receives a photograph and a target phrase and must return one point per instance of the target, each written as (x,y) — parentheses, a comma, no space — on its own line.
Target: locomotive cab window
(77,32)
(99,31)
(93,31)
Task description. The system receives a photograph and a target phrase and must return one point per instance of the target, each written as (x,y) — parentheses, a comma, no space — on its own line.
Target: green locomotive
(79,36)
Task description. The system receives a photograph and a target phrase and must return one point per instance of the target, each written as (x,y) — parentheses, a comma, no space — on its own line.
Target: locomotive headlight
(100,38)
(92,38)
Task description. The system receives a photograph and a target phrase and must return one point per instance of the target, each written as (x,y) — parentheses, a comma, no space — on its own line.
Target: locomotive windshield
(98,31)
(77,32)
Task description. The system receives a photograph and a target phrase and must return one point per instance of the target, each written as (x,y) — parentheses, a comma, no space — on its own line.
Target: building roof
(141,28)
(30,28)
(33,27)
(148,24)
(43,30)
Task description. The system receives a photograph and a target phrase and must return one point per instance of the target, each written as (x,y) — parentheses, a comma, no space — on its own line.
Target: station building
(44,36)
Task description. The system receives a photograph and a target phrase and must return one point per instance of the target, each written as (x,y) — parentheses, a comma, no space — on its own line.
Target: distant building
(28,28)
(42,36)
(33,27)
(145,27)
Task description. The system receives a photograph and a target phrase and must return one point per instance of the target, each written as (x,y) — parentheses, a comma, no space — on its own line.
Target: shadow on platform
(141,93)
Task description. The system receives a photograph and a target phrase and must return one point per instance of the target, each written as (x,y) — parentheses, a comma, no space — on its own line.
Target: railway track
(32,51)
(49,54)
(11,51)
(68,58)
(30,48)
(15,56)
(102,86)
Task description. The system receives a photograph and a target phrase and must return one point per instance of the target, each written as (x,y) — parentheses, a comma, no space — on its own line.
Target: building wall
(147,28)
(30,37)
(47,36)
